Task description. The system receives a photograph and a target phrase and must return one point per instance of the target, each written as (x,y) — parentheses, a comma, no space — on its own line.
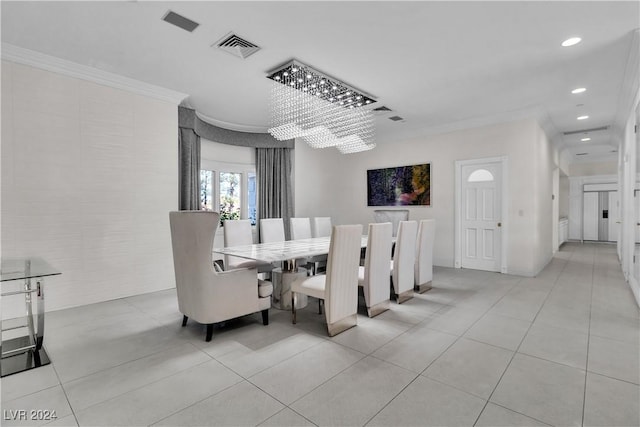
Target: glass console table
(25,352)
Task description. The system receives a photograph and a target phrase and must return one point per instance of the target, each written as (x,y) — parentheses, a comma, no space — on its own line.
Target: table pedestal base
(282,281)
(22,361)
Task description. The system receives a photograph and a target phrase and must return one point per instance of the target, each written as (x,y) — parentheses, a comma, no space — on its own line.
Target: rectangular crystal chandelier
(323,111)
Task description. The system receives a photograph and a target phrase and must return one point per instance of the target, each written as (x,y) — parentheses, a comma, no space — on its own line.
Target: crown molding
(232,126)
(62,66)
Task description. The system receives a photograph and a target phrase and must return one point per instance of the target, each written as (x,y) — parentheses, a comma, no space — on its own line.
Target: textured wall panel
(89,174)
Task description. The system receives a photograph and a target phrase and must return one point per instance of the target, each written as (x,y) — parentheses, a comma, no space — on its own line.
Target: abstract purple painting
(399,186)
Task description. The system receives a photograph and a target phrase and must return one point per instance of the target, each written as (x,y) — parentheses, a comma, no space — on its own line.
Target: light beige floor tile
(612,325)
(428,403)
(523,306)
(415,349)
(158,400)
(287,418)
(68,421)
(610,402)
(454,320)
(497,416)
(369,336)
(297,376)
(246,362)
(104,385)
(36,409)
(576,319)
(470,366)
(31,381)
(616,359)
(557,345)
(240,405)
(543,390)
(505,332)
(341,400)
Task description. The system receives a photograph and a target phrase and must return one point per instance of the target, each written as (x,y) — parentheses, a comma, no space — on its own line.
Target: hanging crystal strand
(307,105)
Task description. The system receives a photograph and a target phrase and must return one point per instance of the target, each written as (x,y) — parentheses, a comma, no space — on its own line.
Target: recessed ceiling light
(585,139)
(579,90)
(571,41)
(582,117)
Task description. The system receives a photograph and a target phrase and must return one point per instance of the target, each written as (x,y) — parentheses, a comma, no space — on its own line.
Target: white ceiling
(439,65)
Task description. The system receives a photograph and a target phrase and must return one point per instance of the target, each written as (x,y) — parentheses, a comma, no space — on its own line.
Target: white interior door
(614,216)
(590,216)
(481,211)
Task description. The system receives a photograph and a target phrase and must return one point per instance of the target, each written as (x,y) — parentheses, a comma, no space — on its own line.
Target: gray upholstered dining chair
(237,232)
(321,226)
(403,263)
(373,277)
(205,295)
(423,275)
(394,216)
(338,288)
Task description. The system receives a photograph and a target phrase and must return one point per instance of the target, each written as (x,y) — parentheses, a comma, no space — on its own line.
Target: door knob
(500,224)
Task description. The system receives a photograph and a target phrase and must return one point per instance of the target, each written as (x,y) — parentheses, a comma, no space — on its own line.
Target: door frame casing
(503,209)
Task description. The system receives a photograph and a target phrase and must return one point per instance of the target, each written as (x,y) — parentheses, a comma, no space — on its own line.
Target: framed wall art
(399,186)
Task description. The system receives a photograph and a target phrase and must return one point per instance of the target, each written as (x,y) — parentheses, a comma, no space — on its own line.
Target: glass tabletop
(25,268)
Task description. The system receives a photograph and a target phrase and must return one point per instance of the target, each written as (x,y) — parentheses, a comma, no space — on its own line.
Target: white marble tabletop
(282,251)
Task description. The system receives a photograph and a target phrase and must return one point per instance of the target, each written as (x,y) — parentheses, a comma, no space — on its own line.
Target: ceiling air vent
(581,154)
(236,46)
(573,132)
(180,21)
(396,118)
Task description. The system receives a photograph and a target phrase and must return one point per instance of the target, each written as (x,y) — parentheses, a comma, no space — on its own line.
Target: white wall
(546,217)
(630,176)
(590,169)
(89,174)
(332,184)
(564,196)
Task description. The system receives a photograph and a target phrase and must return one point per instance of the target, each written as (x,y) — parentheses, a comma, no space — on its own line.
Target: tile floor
(480,349)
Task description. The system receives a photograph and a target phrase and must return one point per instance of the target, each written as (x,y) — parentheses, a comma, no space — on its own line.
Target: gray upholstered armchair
(205,295)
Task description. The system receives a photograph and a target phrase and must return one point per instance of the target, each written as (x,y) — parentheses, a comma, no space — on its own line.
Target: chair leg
(293,307)
(184,321)
(265,317)
(209,332)
(320,302)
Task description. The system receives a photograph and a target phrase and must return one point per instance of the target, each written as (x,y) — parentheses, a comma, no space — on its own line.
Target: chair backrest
(404,256)
(322,226)
(237,232)
(192,234)
(376,263)
(341,286)
(272,230)
(424,252)
(300,228)
(394,216)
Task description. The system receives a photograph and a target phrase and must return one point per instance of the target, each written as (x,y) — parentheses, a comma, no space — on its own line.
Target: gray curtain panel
(275,192)
(188,170)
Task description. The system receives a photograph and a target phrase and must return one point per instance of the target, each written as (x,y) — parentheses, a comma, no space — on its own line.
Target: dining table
(287,252)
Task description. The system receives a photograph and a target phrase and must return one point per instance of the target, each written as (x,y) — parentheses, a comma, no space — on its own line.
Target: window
(480,175)
(230,188)
(232,193)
